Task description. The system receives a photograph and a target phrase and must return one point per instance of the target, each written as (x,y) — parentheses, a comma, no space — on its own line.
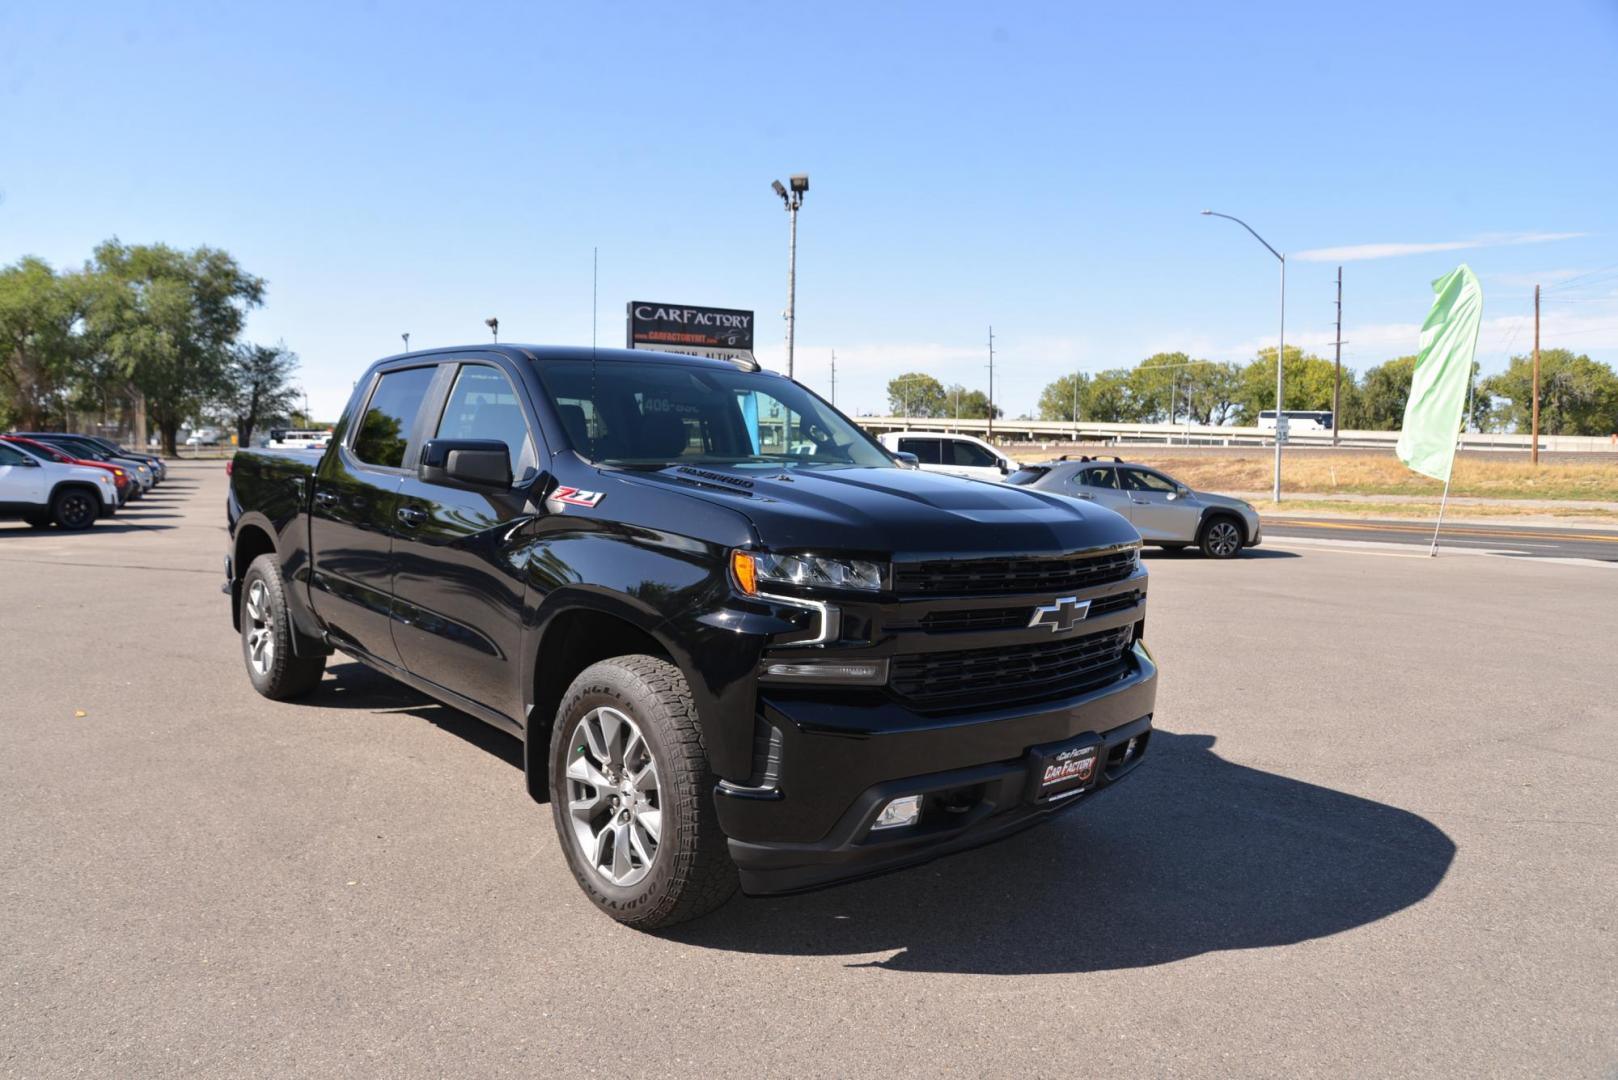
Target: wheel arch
(1210,514)
(577,628)
(252,539)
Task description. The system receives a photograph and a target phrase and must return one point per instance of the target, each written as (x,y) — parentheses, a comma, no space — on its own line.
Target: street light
(793,200)
(406,341)
(1280,351)
(494,328)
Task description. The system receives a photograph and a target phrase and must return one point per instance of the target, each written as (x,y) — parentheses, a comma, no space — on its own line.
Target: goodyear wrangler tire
(631,795)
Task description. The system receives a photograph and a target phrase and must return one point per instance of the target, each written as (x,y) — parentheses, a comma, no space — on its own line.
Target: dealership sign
(722,333)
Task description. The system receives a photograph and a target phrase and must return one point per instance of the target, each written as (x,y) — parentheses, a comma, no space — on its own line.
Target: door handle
(1141,502)
(412,515)
(326,498)
(1087,495)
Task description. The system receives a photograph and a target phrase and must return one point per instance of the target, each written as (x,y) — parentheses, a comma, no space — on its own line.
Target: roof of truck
(571,352)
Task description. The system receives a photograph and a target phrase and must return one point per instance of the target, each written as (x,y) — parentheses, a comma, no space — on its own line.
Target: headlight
(753,568)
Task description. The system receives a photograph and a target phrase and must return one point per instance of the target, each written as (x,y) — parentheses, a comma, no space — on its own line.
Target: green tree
(1578,395)
(1210,391)
(1384,391)
(1110,401)
(257,387)
(969,404)
(917,394)
(40,342)
(1060,399)
(169,319)
(1309,381)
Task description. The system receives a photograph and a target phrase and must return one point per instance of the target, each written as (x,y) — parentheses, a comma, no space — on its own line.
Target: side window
(385,428)
(1099,478)
(483,405)
(1141,480)
(926,450)
(971,454)
(10,455)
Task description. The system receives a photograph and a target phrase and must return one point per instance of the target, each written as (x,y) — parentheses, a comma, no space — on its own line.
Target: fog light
(905,810)
(862,672)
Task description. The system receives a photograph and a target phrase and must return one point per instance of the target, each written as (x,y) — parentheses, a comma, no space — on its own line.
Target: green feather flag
(1443,374)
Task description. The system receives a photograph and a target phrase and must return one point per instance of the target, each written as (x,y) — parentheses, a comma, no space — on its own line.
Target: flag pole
(1465,416)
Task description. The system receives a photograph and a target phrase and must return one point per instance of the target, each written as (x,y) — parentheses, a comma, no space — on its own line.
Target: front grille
(1014,674)
(952,622)
(1008,576)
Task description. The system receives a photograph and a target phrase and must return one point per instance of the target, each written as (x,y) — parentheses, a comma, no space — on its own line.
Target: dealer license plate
(1064,770)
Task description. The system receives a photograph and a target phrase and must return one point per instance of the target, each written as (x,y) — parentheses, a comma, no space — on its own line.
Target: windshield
(656,414)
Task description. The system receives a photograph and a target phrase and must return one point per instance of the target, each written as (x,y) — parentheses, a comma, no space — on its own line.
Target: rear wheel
(267,636)
(75,509)
(632,795)
(1221,538)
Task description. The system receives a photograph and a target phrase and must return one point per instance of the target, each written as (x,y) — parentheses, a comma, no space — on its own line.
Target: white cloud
(1360,252)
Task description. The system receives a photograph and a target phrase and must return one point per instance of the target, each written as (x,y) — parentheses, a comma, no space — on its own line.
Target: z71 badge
(576,497)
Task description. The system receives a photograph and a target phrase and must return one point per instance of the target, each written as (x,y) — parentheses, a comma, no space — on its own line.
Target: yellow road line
(1454,530)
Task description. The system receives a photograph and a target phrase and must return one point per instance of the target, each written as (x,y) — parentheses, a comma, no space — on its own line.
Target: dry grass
(1383,474)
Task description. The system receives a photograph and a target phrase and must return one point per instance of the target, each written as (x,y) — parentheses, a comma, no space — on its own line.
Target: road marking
(1453,531)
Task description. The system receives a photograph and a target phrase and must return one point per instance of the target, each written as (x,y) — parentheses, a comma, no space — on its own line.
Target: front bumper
(842,763)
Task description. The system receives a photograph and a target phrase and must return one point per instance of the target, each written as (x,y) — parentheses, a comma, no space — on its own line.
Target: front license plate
(1064,770)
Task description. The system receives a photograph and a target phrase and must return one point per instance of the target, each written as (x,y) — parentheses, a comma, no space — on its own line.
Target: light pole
(1280,350)
(406,341)
(793,200)
(494,328)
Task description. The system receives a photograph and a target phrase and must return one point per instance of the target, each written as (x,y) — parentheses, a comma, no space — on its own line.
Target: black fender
(286,543)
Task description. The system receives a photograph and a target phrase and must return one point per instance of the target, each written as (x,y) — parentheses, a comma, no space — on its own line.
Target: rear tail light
(230,466)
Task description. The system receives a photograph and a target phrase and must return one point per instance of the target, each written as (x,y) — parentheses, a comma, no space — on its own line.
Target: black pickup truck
(741,643)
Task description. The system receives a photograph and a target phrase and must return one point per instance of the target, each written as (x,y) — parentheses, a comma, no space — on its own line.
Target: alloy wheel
(261,629)
(614,801)
(1223,540)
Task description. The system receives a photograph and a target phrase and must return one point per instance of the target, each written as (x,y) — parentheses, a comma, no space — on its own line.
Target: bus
(1298,420)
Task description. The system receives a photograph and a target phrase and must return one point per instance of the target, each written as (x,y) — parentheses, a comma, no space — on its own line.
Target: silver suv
(1164,511)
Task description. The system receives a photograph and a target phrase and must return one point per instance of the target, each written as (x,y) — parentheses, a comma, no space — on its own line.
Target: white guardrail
(1200,435)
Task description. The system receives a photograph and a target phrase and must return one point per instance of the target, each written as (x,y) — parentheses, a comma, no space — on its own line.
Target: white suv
(942,451)
(40,492)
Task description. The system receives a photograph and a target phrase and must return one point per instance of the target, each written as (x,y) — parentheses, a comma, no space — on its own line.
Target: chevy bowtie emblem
(1061,616)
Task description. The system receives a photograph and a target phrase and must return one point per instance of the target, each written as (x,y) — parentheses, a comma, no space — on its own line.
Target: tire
(75,509)
(267,636)
(620,718)
(1221,538)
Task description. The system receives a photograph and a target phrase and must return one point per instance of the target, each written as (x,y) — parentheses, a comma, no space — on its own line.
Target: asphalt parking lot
(1378,836)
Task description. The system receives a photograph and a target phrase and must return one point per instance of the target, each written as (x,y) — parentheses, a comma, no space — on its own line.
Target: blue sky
(396,167)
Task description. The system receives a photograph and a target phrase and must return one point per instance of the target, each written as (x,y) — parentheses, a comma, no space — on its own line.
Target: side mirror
(1005,467)
(467,463)
(906,459)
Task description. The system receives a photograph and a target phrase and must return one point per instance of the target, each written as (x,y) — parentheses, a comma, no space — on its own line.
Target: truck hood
(897,511)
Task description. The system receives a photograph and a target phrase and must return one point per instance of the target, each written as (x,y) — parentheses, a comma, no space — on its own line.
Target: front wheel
(75,509)
(632,795)
(275,671)
(1221,539)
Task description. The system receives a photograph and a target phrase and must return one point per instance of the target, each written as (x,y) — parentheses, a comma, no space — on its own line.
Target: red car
(127,488)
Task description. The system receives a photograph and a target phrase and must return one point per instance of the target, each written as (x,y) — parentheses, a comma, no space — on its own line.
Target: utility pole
(1337,384)
(991,383)
(1533,452)
(834,376)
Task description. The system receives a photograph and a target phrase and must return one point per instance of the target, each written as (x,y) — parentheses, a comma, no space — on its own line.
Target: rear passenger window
(385,429)
(1098,478)
(972,455)
(483,405)
(927,451)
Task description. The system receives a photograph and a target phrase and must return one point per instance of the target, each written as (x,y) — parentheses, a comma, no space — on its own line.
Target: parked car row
(71,481)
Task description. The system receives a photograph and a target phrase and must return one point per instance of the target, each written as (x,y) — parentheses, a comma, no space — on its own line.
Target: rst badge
(573,496)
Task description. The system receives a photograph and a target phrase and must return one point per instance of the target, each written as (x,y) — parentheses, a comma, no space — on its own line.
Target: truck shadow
(1193,855)
(351,685)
